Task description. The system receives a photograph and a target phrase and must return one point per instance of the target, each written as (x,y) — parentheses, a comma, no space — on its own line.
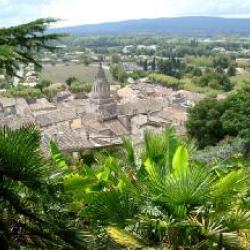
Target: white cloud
(96,11)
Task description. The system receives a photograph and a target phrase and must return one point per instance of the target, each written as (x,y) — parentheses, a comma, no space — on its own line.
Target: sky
(74,12)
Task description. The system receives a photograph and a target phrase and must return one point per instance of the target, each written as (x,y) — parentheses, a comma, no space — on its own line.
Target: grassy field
(190,86)
(59,73)
(241,80)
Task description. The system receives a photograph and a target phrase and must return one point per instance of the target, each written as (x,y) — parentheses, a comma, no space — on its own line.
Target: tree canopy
(211,120)
(20,44)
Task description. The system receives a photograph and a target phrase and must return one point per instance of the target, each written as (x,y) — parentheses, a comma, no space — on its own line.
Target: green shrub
(214,81)
(137,74)
(52,90)
(43,84)
(24,92)
(77,87)
(165,80)
(197,72)
(70,80)
(118,72)
(214,84)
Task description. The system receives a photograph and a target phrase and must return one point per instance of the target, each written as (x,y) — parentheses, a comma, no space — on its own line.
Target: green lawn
(59,73)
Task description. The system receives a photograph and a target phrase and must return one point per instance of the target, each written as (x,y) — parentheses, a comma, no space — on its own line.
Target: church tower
(101,102)
(101,88)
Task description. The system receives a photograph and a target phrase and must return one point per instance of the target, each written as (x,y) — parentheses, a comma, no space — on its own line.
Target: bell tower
(101,88)
(101,102)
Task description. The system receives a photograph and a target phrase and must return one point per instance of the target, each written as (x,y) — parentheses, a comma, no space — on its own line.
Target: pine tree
(20,44)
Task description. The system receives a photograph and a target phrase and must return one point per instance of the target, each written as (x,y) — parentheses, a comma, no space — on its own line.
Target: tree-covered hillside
(180,25)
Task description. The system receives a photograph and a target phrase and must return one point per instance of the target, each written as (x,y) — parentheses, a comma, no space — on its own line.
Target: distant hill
(179,25)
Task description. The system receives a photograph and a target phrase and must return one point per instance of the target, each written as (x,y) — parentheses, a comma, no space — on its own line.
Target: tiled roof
(42,104)
(16,121)
(142,106)
(56,116)
(7,102)
(174,115)
(116,127)
(72,141)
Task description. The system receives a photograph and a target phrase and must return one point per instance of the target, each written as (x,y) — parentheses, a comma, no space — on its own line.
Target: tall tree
(145,65)
(153,65)
(204,123)
(211,120)
(20,44)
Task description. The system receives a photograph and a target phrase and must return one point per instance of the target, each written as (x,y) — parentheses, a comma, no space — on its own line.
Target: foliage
(214,80)
(115,58)
(70,80)
(18,44)
(222,61)
(23,91)
(52,90)
(237,109)
(145,65)
(211,120)
(172,67)
(231,71)
(167,81)
(228,152)
(153,64)
(197,72)
(86,60)
(77,87)
(204,123)
(32,207)
(156,197)
(199,61)
(43,84)
(118,73)
(123,238)
(138,74)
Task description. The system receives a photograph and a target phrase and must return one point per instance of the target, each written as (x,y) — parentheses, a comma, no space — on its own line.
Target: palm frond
(57,156)
(124,238)
(129,151)
(111,207)
(21,157)
(227,188)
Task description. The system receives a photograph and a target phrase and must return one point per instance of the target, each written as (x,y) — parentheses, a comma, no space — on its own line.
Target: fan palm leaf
(32,205)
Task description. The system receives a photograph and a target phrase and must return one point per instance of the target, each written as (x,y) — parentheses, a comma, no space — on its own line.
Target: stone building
(101,102)
(98,120)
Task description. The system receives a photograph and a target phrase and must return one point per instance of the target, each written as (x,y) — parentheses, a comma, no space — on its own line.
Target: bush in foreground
(159,198)
(33,214)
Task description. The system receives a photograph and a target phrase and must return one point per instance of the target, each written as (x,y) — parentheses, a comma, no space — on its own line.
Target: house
(129,67)
(99,120)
